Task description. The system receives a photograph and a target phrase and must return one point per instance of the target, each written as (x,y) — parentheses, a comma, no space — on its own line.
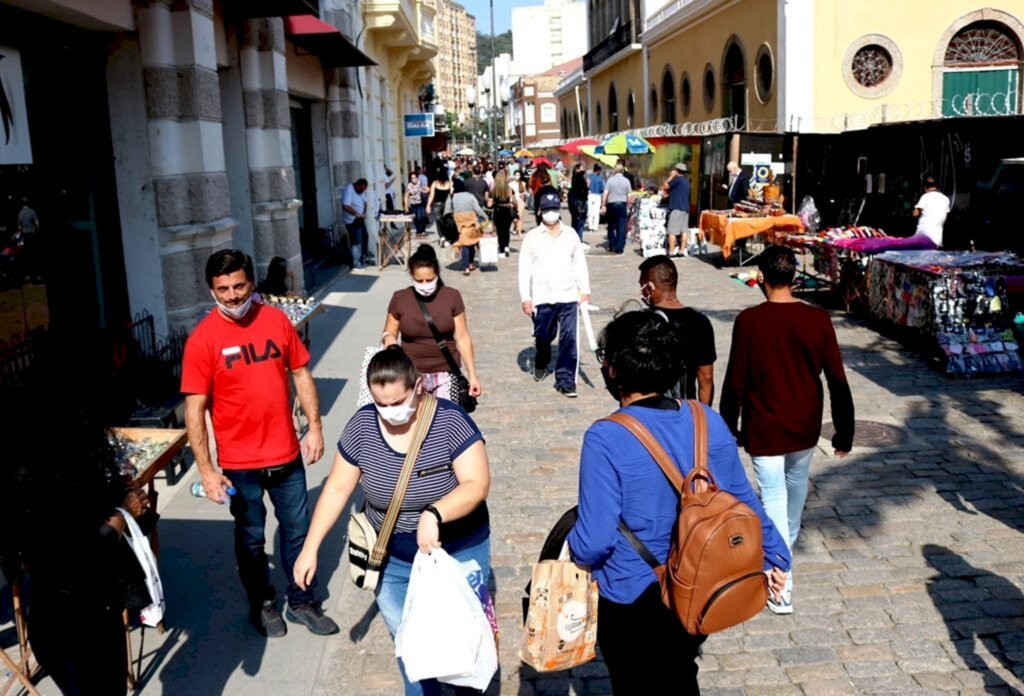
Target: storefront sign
(15,146)
(419,125)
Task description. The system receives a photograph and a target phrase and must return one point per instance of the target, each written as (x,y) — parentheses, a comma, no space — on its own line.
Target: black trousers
(80,643)
(503,225)
(645,647)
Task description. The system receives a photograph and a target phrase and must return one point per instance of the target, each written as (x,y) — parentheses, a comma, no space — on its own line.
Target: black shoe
(267,620)
(312,616)
(569,392)
(539,374)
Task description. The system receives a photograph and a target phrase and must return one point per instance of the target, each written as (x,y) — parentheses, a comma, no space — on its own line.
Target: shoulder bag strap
(428,406)
(441,344)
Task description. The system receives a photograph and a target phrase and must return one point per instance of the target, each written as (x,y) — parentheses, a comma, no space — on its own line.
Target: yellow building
(779,66)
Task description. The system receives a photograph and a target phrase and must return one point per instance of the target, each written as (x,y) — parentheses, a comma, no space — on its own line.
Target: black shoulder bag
(460,390)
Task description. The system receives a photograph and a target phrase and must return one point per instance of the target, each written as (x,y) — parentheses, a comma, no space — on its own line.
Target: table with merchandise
(959,302)
(727,228)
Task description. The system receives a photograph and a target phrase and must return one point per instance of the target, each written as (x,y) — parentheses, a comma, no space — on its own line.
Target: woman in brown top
(406,322)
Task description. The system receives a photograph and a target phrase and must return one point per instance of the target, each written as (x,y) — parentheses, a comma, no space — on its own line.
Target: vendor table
(956,301)
(725,231)
(387,247)
(163,445)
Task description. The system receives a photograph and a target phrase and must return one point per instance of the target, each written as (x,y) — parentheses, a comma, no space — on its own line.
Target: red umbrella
(537,161)
(573,146)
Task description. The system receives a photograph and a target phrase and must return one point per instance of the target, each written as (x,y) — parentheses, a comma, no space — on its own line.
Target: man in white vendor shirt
(931,212)
(553,280)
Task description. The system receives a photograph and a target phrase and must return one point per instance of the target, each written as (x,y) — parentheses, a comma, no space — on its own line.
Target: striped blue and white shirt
(362,444)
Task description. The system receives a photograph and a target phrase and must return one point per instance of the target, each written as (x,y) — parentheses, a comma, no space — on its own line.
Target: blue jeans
(617,216)
(358,239)
(782,480)
(468,254)
(286,485)
(419,217)
(551,319)
(391,591)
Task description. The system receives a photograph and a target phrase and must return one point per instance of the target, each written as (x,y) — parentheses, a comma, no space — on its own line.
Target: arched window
(586,121)
(630,110)
(597,117)
(982,71)
(565,126)
(654,105)
(734,83)
(685,95)
(668,96)
(709,87)
(613,109)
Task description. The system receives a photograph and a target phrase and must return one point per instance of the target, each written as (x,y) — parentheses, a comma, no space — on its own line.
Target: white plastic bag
(487,656)
(154,613)
(489,249)
(440,633)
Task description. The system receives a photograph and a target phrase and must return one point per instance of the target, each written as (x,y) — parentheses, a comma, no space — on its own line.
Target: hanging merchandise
(651,219)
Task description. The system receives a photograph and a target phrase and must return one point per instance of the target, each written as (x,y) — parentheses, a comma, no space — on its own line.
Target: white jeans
(782,480)
(593,211)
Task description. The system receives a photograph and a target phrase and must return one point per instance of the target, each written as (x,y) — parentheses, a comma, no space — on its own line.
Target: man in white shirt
(931,212)
(553,280)
(353,214)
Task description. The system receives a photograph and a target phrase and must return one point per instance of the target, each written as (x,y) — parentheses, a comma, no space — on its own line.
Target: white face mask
(550,217)
(426,288)
(398,414)
(234,312)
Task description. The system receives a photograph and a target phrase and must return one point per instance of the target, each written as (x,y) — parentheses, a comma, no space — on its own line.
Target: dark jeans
(359,240)
(617,216)
(645,647)
(503,225)
(419,217)
(578,214)
(468,254)
(548,320)
(287,488)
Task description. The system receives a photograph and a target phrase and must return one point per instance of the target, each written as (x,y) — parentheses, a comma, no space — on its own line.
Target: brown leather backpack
(713,578)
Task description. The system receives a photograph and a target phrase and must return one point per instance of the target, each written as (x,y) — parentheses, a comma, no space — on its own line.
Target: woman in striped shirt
(444,503)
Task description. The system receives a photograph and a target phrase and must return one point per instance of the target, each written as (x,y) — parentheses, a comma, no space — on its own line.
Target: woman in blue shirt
(644,644)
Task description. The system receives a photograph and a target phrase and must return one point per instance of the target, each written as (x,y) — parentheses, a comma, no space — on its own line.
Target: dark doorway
(734,86)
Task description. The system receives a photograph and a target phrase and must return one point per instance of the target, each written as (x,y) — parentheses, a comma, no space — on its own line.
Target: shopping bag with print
(440,633)
(479,598)
(561,622)
(364,389)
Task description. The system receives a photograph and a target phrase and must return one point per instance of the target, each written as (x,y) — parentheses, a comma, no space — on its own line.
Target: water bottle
(198,491)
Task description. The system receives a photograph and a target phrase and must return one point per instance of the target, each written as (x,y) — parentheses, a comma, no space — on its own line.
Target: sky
(481,9)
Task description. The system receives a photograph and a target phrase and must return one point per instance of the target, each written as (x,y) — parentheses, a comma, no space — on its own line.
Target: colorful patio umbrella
(537,161)
(607,160)
(465,152)
(504,153)
(573,146)
(523,152)
(625,144)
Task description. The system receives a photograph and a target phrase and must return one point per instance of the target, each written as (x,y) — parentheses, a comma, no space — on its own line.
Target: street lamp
(494,78)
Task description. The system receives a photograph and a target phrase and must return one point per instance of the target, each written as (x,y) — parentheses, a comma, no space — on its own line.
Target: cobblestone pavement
(910,567)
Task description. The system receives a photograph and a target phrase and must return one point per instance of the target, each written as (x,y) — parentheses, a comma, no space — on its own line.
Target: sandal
(465,271)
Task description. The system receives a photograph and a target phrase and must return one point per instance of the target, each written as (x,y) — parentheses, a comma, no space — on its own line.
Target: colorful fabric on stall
(725,231)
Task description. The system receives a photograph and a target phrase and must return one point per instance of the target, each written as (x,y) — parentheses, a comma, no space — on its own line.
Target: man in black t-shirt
(658,282)
(477,185)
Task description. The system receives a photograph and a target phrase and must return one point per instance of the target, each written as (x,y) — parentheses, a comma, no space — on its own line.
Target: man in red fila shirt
(236,365)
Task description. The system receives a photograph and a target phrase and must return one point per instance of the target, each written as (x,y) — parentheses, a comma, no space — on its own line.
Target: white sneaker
(585,246)
(783,606)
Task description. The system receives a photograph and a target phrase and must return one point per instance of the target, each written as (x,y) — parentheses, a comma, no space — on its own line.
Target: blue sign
(419,125)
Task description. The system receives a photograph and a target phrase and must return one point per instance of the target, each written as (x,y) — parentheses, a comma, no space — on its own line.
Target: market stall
(959,303)
(725,228)
(835,258)
(650,220)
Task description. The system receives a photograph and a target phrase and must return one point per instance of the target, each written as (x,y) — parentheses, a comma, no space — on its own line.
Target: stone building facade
(456,59)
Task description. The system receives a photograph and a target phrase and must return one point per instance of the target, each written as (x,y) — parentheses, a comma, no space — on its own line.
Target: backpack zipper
(720,590)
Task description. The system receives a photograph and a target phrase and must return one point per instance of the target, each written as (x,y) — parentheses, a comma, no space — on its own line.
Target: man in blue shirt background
(678,188)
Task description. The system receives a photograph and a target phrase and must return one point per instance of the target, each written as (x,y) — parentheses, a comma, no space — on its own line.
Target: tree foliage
(502,44)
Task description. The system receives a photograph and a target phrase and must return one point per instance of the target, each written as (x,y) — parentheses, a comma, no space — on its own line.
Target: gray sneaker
(312,617)
(267,620)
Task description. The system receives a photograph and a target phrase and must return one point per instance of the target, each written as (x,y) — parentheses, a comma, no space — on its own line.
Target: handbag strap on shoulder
(427,409)
(441,343)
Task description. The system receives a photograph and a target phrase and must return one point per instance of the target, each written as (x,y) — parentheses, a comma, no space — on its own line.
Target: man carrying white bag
(445,634)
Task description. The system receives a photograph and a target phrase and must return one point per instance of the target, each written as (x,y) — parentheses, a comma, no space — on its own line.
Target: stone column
(186,148)
(346,165)
(268,143)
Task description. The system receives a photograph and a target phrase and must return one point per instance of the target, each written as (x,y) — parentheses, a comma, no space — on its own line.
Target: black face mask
(609,383)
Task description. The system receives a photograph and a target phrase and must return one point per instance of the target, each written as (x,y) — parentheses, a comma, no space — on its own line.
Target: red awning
(324,41)
(250,9)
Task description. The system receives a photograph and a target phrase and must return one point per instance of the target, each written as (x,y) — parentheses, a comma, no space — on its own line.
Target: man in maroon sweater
(779,350)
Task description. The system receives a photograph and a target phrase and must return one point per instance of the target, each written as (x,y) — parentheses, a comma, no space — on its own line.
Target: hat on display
(681,168)
(550,201)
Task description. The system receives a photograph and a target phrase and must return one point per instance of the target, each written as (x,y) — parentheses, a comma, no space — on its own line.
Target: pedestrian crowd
(419,459)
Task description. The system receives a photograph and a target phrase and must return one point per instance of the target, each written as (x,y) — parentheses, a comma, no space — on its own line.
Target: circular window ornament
(709,87)
(764,66)
(872,66)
